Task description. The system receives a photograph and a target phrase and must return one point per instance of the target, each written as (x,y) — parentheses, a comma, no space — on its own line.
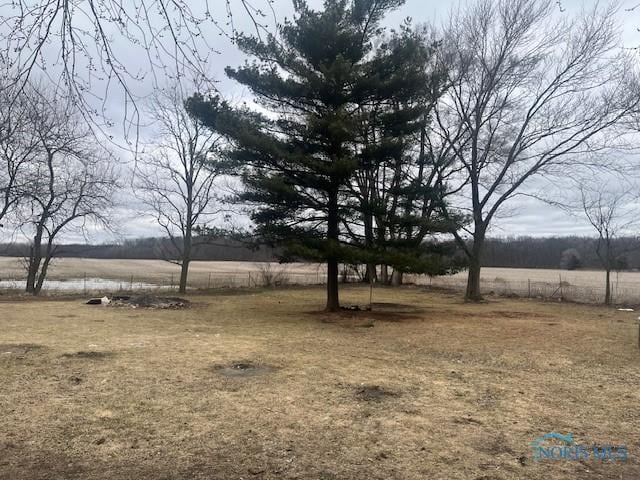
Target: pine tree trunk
(333,234)
(607,288)
(396,278)
(384,274)
(371,274)
(333,300)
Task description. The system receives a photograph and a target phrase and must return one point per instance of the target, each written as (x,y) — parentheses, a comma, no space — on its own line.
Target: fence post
(131,284)
(209,282)
(249,279)
(85,284)
(171,284)
(529,287)
(560,285)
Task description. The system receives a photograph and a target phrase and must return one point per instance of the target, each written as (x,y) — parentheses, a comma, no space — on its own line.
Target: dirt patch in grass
(514,314)
(373,393)
(366,318)
(243,369)
(396,307)
(468,420)
(88,355)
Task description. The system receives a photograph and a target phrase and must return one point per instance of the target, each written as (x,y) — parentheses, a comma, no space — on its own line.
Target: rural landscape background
(319,239)
(104,276)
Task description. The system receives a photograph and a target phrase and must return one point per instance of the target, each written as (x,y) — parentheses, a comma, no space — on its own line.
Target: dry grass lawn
(259,385)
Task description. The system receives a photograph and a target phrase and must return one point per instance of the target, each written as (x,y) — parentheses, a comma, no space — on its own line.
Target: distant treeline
(152,248)
(557,252)
(517,252)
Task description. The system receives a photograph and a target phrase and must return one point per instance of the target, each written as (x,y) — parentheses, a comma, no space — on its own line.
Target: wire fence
(560,290)
(273,275)
(261,276)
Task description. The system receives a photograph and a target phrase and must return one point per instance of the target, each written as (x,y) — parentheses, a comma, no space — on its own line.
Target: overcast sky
(526,215)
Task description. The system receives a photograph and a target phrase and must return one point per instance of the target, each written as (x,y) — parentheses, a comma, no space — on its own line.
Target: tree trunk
(43,275)
(32,271)
(473,281)
(186,260)
(607,288)
(333,300)
(475,261)
(371,275)
(184,272)
(35,258)
(333,234)
(396,278)
(384,274)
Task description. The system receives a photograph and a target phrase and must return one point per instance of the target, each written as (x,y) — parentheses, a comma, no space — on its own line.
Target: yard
(260,384)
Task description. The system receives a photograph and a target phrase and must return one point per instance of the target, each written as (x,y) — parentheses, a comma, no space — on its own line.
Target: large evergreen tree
(399,192)
(319,81)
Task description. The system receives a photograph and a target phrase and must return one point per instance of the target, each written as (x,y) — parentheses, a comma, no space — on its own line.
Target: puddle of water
(82,284)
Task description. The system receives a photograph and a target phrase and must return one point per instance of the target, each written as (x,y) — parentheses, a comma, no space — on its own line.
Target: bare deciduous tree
(176,178)
(70,181)
(530,93)
(86,47)
(611,212)
(17,148)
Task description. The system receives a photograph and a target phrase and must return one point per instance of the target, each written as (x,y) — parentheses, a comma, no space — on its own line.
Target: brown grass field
(423,387)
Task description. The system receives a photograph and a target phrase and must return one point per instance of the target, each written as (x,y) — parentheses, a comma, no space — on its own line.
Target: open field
(433,389)
(100,276)
(579,278)
(159,271)
(578,285)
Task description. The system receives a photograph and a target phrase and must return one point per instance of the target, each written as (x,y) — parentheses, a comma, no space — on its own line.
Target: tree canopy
(338,99)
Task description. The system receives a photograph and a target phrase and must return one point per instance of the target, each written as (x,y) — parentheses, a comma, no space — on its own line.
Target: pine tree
(399,190)
(299,157)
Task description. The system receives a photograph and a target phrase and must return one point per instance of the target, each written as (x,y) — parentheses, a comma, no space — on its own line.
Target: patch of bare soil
(354,317)
(89,355)
(373,393)
(396,307)
(241,369)
(467,420)
(515,314)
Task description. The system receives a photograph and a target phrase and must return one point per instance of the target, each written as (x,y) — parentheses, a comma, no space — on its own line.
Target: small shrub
(271,276)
